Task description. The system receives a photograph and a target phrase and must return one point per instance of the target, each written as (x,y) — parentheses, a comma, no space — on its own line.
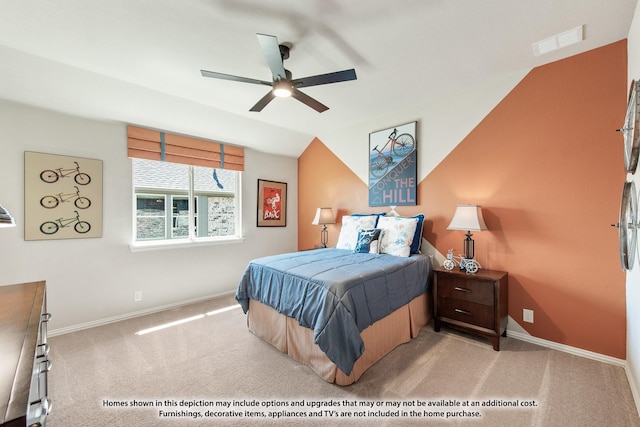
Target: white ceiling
(139,61)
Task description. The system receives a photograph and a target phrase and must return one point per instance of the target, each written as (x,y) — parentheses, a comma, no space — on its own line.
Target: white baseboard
(566,348)
(126,316)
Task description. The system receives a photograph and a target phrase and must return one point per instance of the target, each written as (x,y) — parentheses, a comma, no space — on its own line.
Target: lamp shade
(467,217)
(6,220)
(324,216)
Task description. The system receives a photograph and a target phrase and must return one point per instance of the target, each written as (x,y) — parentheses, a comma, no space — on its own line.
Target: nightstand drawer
(467,289)
(477,314)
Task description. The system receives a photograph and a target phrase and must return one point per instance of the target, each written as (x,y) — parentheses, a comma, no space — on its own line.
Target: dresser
(476,303)
(24,355)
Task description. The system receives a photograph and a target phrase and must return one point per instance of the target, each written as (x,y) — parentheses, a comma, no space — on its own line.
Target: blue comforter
(335,292)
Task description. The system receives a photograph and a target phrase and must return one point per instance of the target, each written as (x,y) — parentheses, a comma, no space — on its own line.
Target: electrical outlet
(527,315)
(137,296)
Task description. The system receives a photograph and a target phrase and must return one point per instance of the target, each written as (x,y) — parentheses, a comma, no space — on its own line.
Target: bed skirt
(285,334)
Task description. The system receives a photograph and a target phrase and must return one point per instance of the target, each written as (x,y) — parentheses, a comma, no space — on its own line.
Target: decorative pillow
(351,225)
(397,235)
(368,241)
(369,214)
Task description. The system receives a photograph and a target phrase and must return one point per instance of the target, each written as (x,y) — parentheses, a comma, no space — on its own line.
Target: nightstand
(475,303)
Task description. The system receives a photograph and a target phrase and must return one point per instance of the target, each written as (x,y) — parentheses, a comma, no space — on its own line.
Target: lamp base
(468,246)
(324,236)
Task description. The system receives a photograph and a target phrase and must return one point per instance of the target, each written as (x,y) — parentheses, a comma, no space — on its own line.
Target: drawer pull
(458,288)
(42,366)
(44,350)
(46,317)
(458,310)
(38,411)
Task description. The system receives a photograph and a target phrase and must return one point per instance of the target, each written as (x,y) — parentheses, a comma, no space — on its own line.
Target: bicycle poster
(393,166)
(62,197)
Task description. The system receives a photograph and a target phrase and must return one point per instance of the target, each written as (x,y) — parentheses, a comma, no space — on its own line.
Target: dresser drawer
(465,311)
(467,289)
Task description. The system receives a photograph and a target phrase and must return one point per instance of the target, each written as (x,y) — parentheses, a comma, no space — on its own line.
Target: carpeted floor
(212,368)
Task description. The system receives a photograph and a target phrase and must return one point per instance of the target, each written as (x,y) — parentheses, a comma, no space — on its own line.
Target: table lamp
(323,217)
(468,218)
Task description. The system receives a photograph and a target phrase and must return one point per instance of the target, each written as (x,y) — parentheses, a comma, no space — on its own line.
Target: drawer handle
(42,366)
(458,310)
(44,350)
(46,317)
(458,288)
(39,410)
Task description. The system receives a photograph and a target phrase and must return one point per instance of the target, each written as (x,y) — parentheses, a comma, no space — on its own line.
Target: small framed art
(272,203)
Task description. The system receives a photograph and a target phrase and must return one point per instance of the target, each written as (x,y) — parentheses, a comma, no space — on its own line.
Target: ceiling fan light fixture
(283,84)
(282,88)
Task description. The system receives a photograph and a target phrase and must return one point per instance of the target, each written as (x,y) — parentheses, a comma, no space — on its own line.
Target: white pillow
(397,235)
(351,226)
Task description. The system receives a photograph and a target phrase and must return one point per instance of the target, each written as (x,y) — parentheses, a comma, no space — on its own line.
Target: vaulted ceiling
(139,61)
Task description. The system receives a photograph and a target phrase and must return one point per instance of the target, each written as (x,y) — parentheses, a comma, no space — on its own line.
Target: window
(178,203)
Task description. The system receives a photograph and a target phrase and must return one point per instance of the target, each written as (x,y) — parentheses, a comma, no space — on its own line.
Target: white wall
(633,276)
(90,280)
(442,124)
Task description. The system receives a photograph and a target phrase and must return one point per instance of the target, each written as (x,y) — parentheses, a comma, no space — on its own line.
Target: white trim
(139,313)
(567,348)
(152,245)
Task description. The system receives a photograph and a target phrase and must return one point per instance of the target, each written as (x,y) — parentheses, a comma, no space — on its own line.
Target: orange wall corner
(326,182)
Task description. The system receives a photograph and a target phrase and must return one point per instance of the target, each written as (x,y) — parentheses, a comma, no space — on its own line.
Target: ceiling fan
(283,85)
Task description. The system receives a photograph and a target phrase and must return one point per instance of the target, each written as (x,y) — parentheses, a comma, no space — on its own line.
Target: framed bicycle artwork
(62,197)
(393,166)
(272,204)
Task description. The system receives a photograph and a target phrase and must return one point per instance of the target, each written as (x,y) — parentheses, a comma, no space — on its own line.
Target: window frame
(192,239)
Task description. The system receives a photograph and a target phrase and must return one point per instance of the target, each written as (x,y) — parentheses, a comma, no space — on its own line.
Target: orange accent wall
(326,182)
(547,166)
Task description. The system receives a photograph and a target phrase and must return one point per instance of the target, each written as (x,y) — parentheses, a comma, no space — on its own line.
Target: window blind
(166,147)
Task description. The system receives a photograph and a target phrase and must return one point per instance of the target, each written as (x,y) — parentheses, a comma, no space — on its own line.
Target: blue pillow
(417,237)
(365,240)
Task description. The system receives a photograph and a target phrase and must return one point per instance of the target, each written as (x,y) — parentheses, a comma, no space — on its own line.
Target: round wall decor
(628,225)
(630,131)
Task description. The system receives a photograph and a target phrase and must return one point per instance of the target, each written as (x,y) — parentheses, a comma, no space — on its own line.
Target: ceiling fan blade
(222,76)
(323,79)
(307,100)
(271,51)
(263,102)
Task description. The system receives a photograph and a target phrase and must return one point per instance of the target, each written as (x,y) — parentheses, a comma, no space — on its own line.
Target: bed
(340,310)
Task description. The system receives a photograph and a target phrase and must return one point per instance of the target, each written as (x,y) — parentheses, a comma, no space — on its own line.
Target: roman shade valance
(162,146)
